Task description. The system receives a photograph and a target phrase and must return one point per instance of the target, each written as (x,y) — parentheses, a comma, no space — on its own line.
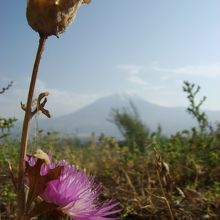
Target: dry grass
(161,184)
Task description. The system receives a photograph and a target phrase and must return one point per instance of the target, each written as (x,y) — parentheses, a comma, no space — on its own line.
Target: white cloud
(207,71)
(137,80)
(131,69)
(133,72)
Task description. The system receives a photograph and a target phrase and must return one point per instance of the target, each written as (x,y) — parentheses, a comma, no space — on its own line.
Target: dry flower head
(51,17)
(42,155)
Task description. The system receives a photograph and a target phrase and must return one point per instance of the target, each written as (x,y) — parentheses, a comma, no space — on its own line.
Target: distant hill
(94,117)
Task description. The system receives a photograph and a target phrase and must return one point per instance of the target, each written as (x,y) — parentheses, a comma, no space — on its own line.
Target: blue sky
(144,47)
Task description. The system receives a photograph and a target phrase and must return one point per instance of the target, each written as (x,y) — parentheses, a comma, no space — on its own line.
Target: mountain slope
(94,117)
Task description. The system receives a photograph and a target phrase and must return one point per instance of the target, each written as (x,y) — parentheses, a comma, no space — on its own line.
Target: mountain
(95,117)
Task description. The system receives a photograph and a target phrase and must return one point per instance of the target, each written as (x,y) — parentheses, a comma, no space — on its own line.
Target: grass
(173,178)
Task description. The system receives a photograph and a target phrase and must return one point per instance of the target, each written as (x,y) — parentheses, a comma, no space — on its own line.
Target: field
(171,178)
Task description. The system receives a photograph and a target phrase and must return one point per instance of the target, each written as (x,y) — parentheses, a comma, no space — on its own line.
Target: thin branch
(6,88)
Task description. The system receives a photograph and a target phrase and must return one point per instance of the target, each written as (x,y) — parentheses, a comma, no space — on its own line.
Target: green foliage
(131,127)
(8,154)
(215,188)
(6,123)
(195,108)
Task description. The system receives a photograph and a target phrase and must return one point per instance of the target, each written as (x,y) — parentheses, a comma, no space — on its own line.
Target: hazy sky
(143,47)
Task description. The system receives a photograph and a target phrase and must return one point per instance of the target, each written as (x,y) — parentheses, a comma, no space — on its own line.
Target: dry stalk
(25,129)
(159,163)
(164,196)
(129,181)
(136,199)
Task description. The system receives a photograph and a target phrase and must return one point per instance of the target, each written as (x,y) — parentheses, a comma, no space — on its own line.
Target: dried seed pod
(42,155)
(51,17)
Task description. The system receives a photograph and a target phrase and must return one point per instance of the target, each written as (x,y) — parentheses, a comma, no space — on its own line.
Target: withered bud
(42,155)
(51,17)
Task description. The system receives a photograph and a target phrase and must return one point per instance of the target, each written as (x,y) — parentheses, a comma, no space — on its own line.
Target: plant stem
(25,129)
(164,196)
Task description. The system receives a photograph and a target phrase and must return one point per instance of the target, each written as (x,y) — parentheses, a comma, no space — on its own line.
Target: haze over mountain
(95,117)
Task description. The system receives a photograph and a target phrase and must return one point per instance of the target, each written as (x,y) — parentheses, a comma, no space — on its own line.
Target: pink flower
(75,194)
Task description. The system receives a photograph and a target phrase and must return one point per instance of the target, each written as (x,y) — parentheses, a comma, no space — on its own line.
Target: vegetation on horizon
(6,123)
